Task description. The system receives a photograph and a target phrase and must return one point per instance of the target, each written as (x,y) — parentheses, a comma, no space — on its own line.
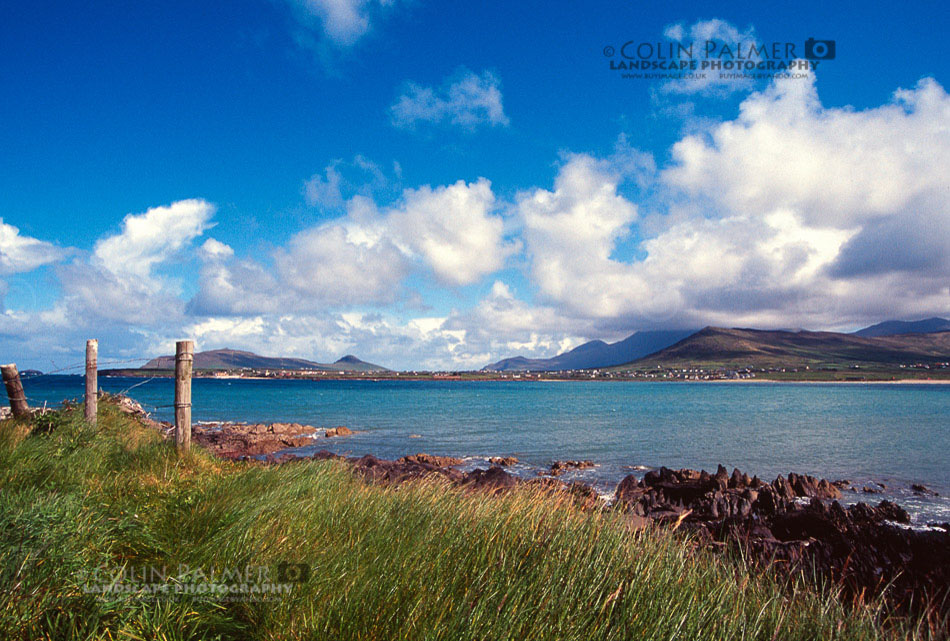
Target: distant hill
(353,364)
(890,328)
(716,347)
(594,354)
(235,359)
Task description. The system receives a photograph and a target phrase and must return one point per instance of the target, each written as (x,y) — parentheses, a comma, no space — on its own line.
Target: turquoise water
(892,434)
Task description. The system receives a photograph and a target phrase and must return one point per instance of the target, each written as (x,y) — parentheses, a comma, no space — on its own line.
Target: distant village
(853,372)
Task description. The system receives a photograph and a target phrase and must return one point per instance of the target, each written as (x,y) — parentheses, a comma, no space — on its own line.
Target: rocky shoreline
(795,523)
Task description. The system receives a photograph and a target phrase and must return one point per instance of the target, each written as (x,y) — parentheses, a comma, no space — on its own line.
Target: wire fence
(79,368)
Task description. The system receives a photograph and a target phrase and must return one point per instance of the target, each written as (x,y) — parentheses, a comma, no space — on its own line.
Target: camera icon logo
(819,49)
(292,572)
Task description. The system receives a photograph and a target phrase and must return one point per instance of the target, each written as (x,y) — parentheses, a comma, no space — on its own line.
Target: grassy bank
(420,562)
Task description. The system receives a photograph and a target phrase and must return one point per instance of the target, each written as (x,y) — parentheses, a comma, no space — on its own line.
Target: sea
(883,437)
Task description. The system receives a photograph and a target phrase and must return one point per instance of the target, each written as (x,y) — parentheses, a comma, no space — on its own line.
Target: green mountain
(226,359)
(720,348)
(889,328)
(594,354)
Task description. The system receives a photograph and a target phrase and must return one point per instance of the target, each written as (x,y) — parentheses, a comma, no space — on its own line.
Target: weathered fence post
(11,378)
(92,380)
(184,359)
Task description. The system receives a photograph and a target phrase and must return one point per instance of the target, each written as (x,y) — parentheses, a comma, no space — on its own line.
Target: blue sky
(438,185)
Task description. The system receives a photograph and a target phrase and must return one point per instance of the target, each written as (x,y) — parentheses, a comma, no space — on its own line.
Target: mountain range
(222,359)
(718,344)
(718,347)
(594,354)
(889,328)
(888,343)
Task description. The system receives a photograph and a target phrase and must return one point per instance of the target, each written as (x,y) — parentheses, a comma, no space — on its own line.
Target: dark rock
(630,490)
(722,477)
(429,459)
(396,472)
(887,511)
(504,461)
(493,480)
(857,548)
(923,489)
(783,489)
(559,467)
(324,455)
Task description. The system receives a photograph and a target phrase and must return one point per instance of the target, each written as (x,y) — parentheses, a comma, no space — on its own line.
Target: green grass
(423,561)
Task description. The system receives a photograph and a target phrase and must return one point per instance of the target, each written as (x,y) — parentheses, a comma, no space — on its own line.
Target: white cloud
(723,35)
(791,215)
(343,22)
(452,228)
(342,263)
(214,250)
(93,295)
(119,282)
(331,189)
(324,190)
(467,100)
(365,256)
(152,237)
(570,233)
(235,287)
(836,167)
(19,254)
(742,232)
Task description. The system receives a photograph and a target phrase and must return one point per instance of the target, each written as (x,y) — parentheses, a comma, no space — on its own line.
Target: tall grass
(422,561)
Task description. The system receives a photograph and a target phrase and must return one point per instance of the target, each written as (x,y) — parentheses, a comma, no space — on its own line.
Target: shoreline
(283,442)
(236,439)
(551,379)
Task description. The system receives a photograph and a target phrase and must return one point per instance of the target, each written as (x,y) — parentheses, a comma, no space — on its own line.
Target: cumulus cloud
(342,264)
(499,325)
(877,175)
(791,215)
(19,254)
(120,283)
(152,237)
(570,233)
(232,287)
(364,257)
(326,336)
(95,295)
(453,229)
(742,231)
(466,99)
(785,122)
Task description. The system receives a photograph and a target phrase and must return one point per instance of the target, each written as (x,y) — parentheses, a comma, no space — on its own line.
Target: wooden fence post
(184,360)
(11,378)
(92,380)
